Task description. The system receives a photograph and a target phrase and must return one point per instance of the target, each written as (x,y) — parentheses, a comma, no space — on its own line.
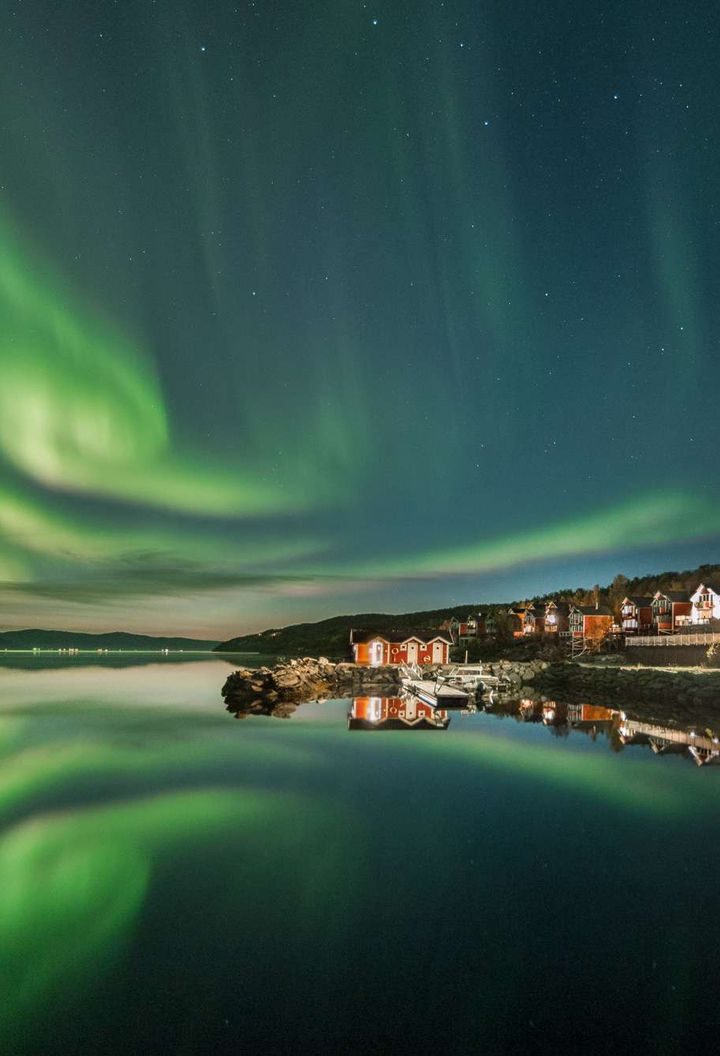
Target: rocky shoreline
(278,690)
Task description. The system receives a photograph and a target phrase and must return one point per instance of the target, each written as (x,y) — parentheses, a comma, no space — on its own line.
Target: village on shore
(672,617)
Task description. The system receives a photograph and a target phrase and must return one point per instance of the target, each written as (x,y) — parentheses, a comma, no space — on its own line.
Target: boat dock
(438,694)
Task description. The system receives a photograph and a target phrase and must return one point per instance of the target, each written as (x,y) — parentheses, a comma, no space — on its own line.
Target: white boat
(472,676)
(436,691)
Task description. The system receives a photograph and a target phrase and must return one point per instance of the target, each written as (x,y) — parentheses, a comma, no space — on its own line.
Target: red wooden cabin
(671,610)
(590,622)
(374,648)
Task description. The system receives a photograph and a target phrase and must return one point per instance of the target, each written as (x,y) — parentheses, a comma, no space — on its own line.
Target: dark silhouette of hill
(39,639)
(331,637)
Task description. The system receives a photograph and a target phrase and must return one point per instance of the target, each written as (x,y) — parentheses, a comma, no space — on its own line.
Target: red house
(590,622)
(671,610)
(395,713)
(374,648)
(636,615)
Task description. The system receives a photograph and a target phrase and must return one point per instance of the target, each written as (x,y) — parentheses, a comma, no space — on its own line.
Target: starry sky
(320,307)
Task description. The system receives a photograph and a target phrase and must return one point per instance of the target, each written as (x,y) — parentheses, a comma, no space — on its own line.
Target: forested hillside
(331,636)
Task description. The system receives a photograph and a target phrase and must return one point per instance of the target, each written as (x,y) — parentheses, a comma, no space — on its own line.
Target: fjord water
(175,881)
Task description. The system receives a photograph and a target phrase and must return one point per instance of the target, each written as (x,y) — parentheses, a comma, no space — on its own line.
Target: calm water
(175,881)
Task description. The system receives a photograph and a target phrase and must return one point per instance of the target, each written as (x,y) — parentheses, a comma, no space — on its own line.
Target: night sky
(325,306)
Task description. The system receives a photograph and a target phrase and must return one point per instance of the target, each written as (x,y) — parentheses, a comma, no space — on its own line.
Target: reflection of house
(671,610)
(554,713)
(556,617)
(534,619)
(529,710)
(636,615)
(591,622)
(706,603)
(590,717)
(400,647)
(395,713)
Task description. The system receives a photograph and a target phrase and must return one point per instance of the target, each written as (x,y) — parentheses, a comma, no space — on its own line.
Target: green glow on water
(121,789)
(74,883)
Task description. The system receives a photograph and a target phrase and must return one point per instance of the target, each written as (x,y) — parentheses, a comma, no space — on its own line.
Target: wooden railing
(711,638)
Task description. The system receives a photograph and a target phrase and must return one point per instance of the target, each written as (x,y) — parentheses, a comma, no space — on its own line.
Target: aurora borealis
(321,307)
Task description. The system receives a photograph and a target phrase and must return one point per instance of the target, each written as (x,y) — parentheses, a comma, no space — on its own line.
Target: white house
(706,603)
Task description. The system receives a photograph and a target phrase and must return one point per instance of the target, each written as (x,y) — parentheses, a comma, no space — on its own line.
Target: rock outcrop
(278,690)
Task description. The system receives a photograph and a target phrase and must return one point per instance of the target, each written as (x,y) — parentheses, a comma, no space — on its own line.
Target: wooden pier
(663,739)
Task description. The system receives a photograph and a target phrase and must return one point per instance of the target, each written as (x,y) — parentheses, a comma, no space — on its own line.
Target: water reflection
(61,659)
(651,726)
(129,802)
(620,729)
(396,713)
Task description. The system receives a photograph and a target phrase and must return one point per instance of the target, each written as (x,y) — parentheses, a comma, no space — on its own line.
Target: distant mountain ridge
(39,639)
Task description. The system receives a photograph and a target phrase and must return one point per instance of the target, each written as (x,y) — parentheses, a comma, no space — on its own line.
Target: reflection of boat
(395,713)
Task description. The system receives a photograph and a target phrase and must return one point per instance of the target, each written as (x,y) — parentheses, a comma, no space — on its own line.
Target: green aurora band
(82,410)
(652,518)
(331,392)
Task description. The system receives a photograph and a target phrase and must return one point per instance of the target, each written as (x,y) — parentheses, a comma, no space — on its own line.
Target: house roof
(403,634)
(639,600)
(714,587)
(560,606)
(592,610)
(673,595)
